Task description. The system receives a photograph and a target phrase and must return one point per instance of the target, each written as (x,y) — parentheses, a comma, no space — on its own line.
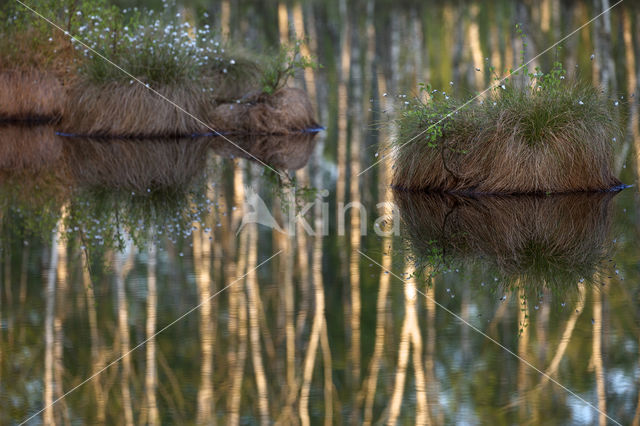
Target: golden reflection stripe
(88,379)
(497,343)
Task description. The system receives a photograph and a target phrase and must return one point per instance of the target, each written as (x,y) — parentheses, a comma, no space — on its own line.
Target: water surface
(138,288)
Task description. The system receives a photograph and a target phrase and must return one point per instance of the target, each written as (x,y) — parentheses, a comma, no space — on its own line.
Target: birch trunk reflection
(50,292)
(237,303)
(355,141)
(523,341)
(202,266)
(58,329)
(97,352)
(150,411)
(343,105)
(122,264)
(409,327)
(566,336)
(597,357)
(382,310)
(253,297)
(318,335)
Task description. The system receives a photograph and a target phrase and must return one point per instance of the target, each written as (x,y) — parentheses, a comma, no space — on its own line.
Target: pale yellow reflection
(253,297)
(122,263)
(409,336)
(237,301)
(371,381)
(149,413)
(343,81)
(596,358)
(98,356)
(523,342)
(202,268)
(50,292)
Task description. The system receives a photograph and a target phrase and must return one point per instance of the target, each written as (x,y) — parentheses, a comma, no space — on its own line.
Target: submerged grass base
(538,139)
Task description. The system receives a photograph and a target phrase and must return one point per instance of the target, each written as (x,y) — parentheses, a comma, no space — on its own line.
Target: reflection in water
(149,414)
(317,335)
(533,244)
(540,241)
(202,268)
(48,414)
(123,263)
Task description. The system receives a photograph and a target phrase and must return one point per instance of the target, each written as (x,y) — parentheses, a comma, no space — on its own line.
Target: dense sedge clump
(535,241)
(188,65)
(550,135)
(36,60)
(30,95)
(168,55)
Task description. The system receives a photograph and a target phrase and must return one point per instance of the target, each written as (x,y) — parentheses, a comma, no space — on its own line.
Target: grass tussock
(142,166)
(550,241)
(550,135)
(287,110)
(131,110)
(28,45)
(188,62)
(284,152)
(30,95)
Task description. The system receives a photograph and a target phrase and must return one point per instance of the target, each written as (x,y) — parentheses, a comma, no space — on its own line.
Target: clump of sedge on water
(535,132)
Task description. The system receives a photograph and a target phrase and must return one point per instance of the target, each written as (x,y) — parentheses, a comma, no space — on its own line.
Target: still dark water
(171,282)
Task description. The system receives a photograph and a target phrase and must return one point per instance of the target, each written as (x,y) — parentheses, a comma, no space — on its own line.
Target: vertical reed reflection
(343,104)
(319,333)
(411,45)
(523,342)
(409,336)
(596,357)
(566,336)
(253,303)
(356,140)
(202,268)
(150,410)
(382,305)
(50,292)
(318,324)
(122,263)
(237,301)
(97,351)
(58,330)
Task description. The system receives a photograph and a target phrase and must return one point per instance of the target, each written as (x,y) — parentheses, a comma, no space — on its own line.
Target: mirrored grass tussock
(538,241)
